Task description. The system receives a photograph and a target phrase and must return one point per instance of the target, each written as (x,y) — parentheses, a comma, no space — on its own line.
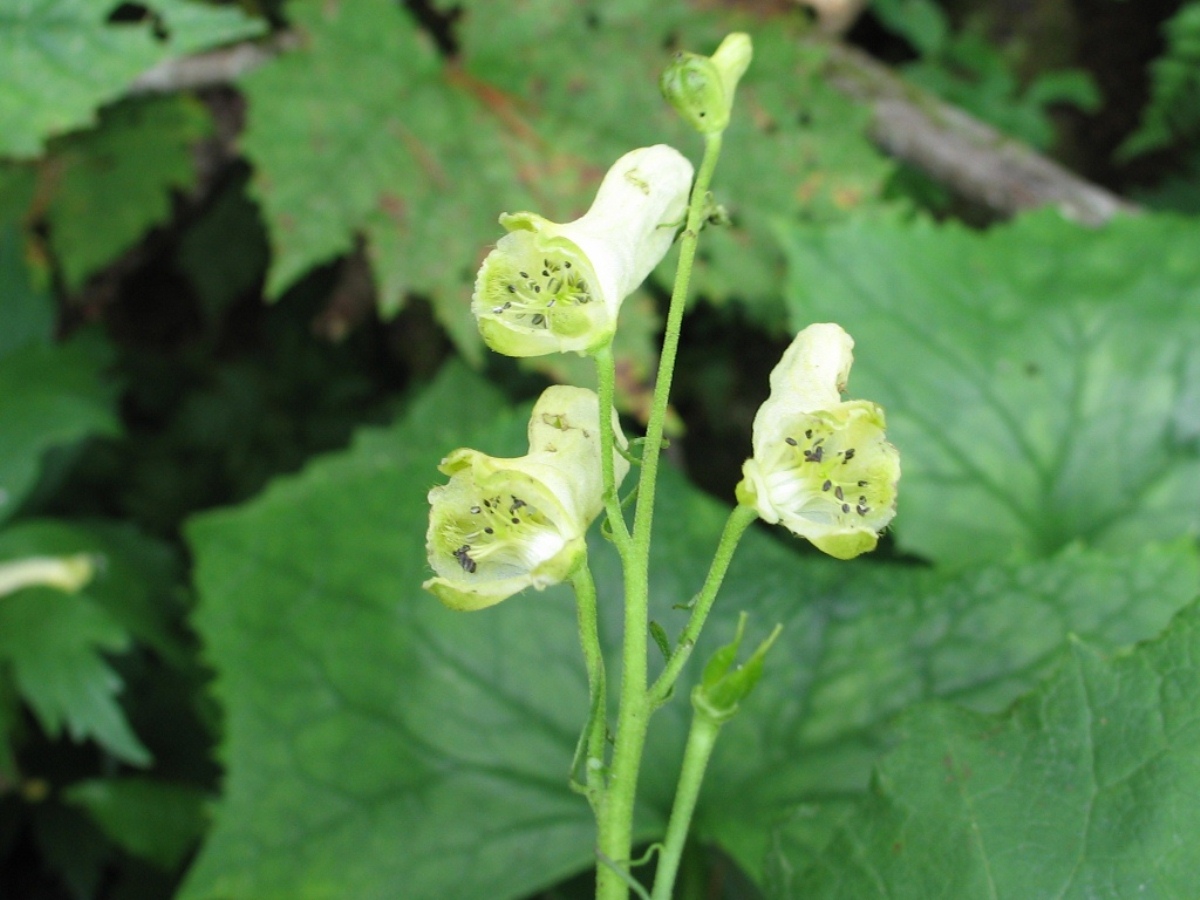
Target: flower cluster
(821,466)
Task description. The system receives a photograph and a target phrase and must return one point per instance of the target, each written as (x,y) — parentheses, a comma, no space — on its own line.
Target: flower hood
(550,288)
(822,467)
(502,525)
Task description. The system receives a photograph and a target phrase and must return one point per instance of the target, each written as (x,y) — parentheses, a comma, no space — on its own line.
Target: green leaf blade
(1083,790)
(50,396)
(1050,402)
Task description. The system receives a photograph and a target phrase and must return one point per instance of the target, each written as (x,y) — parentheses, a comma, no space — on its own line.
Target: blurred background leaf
(61,59)
(1051,377)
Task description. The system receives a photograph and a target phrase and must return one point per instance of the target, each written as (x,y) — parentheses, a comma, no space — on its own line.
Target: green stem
(739,520)
(701,739)
(606,379)
(615,820)
(592,741)
(644,516)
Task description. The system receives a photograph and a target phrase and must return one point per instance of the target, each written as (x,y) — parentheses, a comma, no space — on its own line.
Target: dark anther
(791,441)
(827,485)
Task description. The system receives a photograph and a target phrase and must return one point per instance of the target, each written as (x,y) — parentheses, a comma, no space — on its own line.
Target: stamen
(827,485)
(791,441)
(838,493)
(845,507)
(849,456)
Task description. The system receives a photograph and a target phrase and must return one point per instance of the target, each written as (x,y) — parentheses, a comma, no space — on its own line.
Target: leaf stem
(591,742)
(606,380)
(644,516)
(739,520)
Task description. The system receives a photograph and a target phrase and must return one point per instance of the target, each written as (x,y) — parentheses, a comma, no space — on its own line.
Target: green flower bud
(701,88)
(821,466)
(502,525)
(723,687)
(550,288)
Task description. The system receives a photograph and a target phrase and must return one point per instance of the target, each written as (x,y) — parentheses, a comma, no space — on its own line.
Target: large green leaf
(104,188)
(61,59)
(1041,379)
(54,643)
(50,396)
(378,745)
(1086,789)
(542,98)
(879,638)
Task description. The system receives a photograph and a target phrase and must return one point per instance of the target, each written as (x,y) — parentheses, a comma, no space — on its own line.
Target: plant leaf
(1041,379)
(50,396)
(107,186)
(61,59)
(1086,789)
(538,102)
(378,744)
(156,820)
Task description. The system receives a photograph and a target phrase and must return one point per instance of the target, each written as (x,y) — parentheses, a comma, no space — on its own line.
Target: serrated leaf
(54,641)
(135,579)
(872,641)
(156,820)
(1041,379)
(1170,114)
(61,59)
(540,101)
(1086,789)
(50,395)
(378,744)
(104,188)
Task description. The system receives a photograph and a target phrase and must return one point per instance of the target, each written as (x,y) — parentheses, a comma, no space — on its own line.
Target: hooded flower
(550,288)
(822,466)
(502,525)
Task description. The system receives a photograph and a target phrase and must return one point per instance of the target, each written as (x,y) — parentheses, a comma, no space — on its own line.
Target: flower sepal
(500,525)
(822,467)
(556,288)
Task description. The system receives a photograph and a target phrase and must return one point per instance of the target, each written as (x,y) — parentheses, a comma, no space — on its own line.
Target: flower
(701,88)
(821,466)
(67,573)
(550,288)
(502,525)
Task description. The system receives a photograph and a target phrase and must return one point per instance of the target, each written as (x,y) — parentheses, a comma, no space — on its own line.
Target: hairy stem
(615,820)
(594,733)
(740,518)
(701,738)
